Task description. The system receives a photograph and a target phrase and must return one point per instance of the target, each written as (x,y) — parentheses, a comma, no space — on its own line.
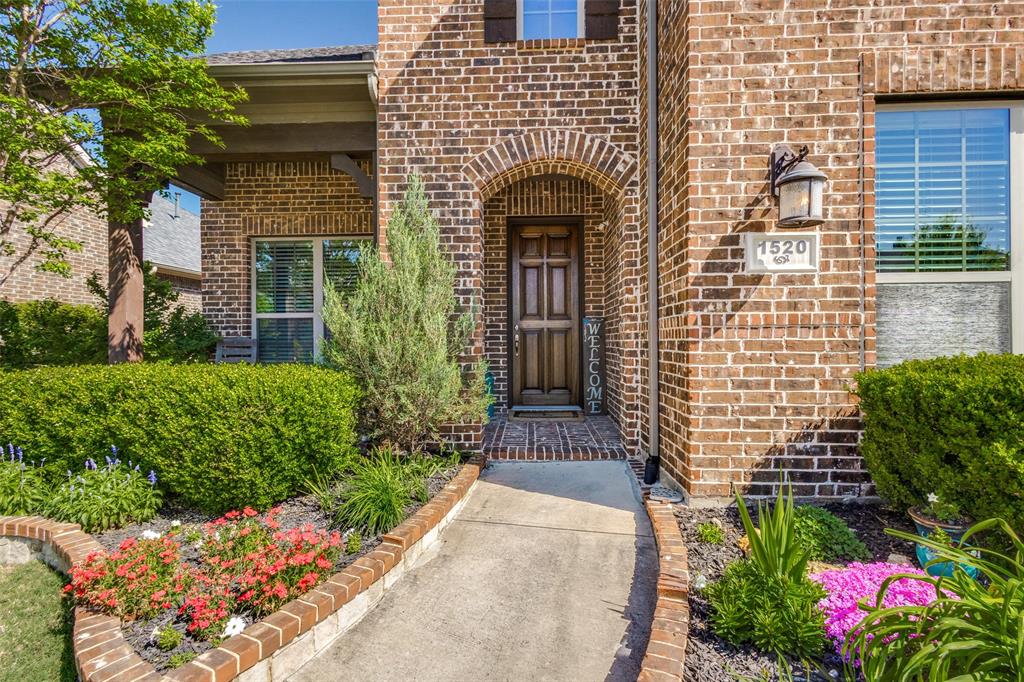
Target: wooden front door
(545,323)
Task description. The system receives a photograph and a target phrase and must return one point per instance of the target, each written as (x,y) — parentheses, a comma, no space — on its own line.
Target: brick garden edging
(666,650)
(268,650)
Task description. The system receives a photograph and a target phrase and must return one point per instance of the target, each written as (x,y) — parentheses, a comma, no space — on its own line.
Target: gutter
(652,466)
(353,67)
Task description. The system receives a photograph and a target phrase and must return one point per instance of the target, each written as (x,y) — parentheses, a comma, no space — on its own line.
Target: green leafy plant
(353,543)
(218,436)
(941,510)
(948,426)
(401,333)
(710,533)
(826,536)
(168,638)
(23,487)
(172,333)
(971,631)
(49,332)
(774,546)
(179,659)
(103,497)
(377,495)
(773,612)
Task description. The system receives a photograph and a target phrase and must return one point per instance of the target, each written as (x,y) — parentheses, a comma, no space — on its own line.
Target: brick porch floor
(594,438)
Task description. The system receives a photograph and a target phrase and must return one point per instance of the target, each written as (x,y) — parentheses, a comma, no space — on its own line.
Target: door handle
(515,341)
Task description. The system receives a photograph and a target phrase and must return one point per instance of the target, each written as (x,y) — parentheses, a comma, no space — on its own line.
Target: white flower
(234,626)
(699,581)
(150,535)
(175,523)
(153,635)
(932,498)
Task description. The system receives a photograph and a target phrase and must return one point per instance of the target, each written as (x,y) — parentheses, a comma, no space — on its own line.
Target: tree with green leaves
(402,332)
(98,101)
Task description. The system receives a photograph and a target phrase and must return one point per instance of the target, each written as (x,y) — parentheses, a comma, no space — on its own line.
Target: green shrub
(710,533)
(23,487)
(103,497)
(972,630)
(168,638)
(376,496)
(950,426)
(51,333)
(220,436)
(774,613)
(402,332)
(179,659)
(826,536)
(353,543)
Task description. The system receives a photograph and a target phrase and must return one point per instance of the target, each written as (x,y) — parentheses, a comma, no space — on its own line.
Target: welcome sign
(593,365)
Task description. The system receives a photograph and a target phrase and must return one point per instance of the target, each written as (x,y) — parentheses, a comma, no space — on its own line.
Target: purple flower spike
(152,477)
(20,454)
(90,465)
(113,449)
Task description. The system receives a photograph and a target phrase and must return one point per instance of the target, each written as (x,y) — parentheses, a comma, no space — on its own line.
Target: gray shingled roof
(169,241)
(341,53)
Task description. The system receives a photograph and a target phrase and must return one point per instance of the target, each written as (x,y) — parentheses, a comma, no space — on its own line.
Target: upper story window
(288,280)
(949,219)
(545,19)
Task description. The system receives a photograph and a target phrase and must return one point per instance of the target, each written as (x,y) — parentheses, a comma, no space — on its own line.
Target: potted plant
(941,522)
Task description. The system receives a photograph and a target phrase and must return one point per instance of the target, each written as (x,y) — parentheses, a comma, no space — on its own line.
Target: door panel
(545,306)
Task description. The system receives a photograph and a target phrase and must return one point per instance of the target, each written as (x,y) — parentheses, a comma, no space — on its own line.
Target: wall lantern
(798,185)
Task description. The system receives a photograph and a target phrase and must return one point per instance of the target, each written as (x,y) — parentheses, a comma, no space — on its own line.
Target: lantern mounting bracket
(781,160)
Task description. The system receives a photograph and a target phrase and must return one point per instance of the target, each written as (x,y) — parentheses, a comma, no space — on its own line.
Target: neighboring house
(170,241)
(21,280)
(530,122)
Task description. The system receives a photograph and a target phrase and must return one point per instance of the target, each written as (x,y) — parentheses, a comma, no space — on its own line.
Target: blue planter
(925,527)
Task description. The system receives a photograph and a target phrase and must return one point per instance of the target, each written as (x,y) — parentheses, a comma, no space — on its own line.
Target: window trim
(1015,274)
(318,284)
(581,22)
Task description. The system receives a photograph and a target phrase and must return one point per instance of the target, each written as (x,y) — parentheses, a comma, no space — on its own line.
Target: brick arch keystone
(556,151)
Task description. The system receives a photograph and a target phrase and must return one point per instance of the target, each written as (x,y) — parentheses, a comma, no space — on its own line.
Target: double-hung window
(949,189)
(288,278)
(545,19)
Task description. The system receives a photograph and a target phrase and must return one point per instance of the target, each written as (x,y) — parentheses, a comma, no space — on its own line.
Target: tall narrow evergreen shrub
(402,331)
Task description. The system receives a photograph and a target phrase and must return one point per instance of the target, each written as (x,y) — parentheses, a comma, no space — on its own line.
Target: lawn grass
(35,625)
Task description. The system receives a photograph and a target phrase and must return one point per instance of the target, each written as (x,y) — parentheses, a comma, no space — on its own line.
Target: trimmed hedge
(51,333)
(220,436)
(953,426)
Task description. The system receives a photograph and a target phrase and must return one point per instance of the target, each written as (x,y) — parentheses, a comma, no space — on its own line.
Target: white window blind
(288,282)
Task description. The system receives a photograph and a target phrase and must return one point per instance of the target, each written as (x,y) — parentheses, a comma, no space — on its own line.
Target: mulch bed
(710,659)
(295,512)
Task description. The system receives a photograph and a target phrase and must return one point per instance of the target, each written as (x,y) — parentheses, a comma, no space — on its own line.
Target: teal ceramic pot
(925,527)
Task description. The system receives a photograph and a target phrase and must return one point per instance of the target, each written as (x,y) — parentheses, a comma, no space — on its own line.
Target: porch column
(125,290)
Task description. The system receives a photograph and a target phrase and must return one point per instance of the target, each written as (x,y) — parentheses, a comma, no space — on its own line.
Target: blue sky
(283,24)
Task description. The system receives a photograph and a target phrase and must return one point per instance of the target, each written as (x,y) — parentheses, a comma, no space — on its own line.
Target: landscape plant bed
(191,532)
(711,659)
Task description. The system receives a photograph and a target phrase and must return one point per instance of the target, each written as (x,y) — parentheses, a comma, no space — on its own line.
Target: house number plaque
(593,365)
(781,251)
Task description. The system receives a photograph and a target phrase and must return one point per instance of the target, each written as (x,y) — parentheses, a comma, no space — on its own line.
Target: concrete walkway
(548,573)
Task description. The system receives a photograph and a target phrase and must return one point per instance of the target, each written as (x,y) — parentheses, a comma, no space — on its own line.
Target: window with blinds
(942,187)
(288,283)
(545,19)
(949,216)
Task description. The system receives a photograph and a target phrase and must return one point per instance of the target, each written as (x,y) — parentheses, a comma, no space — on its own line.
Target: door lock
(515,341)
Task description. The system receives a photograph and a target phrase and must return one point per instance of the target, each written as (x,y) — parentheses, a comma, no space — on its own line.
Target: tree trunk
(125,291)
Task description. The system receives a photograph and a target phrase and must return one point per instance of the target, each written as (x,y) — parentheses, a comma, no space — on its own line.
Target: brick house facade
(525,141)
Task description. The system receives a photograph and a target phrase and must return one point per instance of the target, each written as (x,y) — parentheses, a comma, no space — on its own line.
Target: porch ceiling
(296,109)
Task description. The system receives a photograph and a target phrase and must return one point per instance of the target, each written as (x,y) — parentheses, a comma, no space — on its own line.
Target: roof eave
(274,69)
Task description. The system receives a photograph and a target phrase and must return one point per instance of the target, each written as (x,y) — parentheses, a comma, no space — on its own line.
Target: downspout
(651,468)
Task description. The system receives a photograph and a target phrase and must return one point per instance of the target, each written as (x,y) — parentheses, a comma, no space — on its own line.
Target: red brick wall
(190,291)
(471,118)
(270,199)
(23,282)
(756,368)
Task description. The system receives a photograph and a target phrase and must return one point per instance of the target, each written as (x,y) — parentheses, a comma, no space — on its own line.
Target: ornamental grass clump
(967,630)
(377,495)
(103,497)
(767,600)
